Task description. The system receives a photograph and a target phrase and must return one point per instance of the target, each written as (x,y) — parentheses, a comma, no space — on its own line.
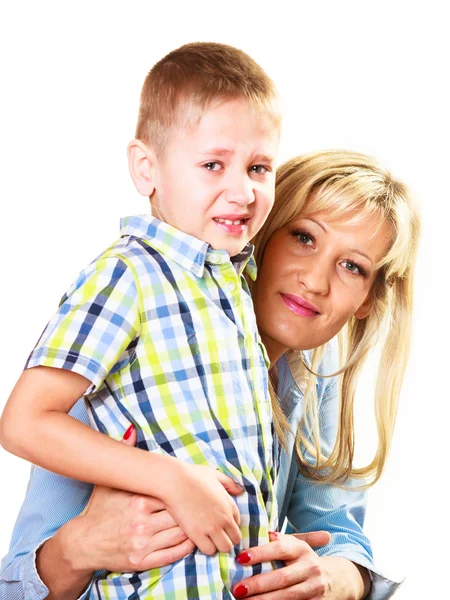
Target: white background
(368,76)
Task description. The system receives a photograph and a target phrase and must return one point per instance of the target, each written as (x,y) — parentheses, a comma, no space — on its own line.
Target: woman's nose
(315,277)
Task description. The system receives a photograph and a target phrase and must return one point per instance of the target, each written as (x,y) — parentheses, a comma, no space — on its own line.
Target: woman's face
(316,273)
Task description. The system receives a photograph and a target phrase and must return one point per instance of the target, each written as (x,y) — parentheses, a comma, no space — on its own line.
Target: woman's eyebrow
(318,223)
(363,254)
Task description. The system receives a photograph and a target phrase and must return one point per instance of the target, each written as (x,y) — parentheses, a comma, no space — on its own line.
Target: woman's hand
(302,577)
(117,531)
(305,576)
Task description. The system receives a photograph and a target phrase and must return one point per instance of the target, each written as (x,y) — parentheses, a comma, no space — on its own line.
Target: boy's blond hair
(183,84)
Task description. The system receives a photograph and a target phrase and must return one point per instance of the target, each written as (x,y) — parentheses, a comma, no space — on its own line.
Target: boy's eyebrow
(227,152)
(218,151)
(264,158)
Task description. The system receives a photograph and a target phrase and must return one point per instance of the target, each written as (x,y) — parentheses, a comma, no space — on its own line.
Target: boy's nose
(241,193)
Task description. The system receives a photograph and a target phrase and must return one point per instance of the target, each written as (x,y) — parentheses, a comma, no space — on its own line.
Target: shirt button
(214,259)
(231,286)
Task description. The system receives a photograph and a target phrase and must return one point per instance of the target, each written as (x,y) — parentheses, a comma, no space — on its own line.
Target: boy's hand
(199,500)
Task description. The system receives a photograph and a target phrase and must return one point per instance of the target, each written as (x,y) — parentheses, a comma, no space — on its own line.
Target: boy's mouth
(232,224)
(231,221)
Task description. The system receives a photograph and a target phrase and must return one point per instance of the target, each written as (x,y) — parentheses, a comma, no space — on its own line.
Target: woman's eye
(304,238)
(259,169)
(212,166)
(352,268)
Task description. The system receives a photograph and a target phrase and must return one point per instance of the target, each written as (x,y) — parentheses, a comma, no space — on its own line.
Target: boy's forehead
(224,118)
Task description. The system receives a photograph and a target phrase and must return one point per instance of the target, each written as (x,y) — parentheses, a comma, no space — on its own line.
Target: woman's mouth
(299,306)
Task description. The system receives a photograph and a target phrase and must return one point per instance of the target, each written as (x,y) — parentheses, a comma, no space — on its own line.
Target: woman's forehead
(343,203)
(345,215)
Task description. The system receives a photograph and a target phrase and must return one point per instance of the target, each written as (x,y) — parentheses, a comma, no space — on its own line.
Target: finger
(167,539)
(231,486)
(295,592)
(166,556)
(286,548)
(279,579)
(314,538)
(236,514)
(234,533)
(222,541)
(205,545)
(146,504)
(160,521)
(130,436)
(144,546)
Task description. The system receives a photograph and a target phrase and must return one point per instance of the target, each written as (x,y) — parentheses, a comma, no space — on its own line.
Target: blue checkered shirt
(163,326)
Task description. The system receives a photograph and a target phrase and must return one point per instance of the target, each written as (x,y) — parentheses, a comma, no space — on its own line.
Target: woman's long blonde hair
(347,183)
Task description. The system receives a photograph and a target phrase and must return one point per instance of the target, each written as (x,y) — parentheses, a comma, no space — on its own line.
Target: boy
(160,331)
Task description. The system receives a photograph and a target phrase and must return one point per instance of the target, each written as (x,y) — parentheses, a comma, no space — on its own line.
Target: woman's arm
(105,536)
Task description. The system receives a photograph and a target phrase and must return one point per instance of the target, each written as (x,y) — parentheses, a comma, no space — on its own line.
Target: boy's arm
(35,426)
(112,525)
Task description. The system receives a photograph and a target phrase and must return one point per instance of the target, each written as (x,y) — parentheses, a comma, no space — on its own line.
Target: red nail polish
(128,432)
(241,591)
(244,557)
(273,535)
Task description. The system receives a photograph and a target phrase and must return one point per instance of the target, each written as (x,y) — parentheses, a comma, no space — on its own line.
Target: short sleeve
(96,322)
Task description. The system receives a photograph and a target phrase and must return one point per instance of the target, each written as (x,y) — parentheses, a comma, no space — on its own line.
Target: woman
(336,256)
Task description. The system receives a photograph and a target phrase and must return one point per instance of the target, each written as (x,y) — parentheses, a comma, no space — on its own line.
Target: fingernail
(128,432)
(241,591)
(244,557)
(273,535)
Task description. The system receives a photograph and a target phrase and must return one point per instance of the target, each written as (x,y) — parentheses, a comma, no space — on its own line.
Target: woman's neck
(273,375)
(275,350)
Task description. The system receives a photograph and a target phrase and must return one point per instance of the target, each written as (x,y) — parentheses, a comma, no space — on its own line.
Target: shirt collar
(186,250)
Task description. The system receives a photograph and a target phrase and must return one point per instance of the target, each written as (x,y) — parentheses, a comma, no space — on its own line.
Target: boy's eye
(212,166)
(259,169)
(352,268)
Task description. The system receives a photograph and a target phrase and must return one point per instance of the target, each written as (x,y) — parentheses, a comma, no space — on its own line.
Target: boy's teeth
(229,221)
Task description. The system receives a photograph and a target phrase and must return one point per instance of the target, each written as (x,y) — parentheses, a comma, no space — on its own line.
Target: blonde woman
(336,259)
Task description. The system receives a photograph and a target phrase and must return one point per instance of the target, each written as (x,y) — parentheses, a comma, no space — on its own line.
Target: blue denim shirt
(308,506)
(52,500)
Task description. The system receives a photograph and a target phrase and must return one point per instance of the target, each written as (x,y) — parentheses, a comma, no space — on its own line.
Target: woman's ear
(141,163)
(365,308)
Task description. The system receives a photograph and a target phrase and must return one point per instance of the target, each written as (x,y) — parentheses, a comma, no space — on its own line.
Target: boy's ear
(141,163)
(365,308)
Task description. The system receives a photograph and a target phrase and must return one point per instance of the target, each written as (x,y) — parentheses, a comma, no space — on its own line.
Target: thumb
(314,538)
(231,486)
(130,436)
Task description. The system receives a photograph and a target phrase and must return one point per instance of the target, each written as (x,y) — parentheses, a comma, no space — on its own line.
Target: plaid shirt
(163,327)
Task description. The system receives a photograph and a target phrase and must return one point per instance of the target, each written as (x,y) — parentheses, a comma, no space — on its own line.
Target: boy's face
(216,180)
